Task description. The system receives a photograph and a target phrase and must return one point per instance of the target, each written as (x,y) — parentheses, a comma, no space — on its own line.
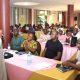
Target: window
(16,16)
(41,17)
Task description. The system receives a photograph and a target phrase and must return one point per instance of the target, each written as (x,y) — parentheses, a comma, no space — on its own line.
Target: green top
(16,42)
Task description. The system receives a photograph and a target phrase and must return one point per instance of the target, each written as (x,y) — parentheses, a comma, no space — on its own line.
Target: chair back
(38,48)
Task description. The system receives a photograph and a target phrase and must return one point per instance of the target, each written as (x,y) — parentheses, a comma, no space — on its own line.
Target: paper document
(42,65)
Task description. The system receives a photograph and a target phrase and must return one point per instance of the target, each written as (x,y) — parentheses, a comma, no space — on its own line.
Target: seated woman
(75,64)
(61,36)
(69,36)
(30,45)
(16,40)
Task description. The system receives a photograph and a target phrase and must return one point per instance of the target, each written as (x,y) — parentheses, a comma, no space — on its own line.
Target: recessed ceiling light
(25,3)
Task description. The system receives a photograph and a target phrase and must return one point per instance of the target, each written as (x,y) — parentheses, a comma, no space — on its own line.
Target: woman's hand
(68,64)
(27,43)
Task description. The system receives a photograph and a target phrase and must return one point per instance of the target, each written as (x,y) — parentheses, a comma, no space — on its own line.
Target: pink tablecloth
(18,69)
(68,51)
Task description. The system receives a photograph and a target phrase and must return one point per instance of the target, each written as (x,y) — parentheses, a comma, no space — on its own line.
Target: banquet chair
(73,57)
(38,48)
(38,34)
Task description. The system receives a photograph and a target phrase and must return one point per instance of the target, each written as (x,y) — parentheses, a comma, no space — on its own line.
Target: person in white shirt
(2,63)
(78,35)
(76,26)
(75,31)
(45,36)
(61,36)
(75,64)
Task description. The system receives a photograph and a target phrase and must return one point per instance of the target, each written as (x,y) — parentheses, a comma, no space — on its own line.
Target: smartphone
(62,69)
(19,53)
(58,65)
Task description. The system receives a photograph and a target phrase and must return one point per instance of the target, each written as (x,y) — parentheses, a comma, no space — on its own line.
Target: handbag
(7,55)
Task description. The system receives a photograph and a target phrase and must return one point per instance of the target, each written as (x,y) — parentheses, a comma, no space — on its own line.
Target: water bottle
(8,46)
(29,58)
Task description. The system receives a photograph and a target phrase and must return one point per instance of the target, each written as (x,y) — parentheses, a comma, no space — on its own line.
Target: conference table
(68,51)
(40,69)
(53,74)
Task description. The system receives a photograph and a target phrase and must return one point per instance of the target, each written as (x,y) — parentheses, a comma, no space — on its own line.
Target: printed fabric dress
(32,44)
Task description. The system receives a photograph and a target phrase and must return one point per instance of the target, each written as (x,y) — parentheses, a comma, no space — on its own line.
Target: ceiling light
(25,3)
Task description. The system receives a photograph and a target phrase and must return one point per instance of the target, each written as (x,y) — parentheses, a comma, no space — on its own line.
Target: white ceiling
(56,5)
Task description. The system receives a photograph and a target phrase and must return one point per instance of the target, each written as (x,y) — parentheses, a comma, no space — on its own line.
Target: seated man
(16,40)
(75,63)
(53,48)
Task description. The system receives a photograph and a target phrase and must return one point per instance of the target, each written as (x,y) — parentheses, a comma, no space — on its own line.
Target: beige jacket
(2,65)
